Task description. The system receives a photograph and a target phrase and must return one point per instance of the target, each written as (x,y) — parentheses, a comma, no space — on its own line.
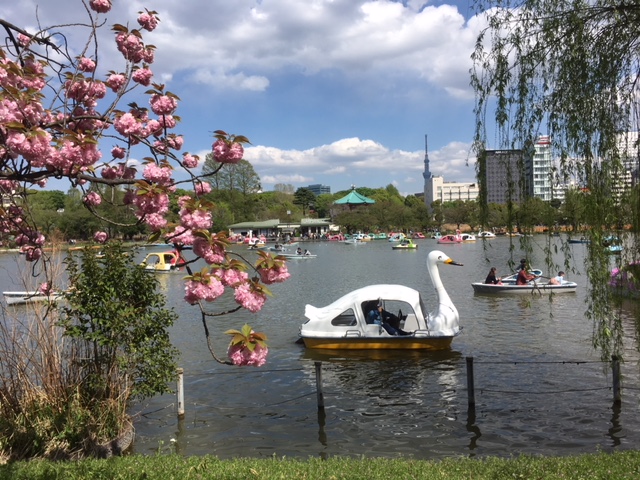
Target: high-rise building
(543,169)
(629,150)
(507,176)
(318,189)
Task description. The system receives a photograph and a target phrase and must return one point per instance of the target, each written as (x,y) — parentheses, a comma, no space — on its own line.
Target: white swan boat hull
(532,289)
(344,323)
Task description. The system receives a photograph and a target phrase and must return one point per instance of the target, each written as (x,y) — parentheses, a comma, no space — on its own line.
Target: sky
(332,92)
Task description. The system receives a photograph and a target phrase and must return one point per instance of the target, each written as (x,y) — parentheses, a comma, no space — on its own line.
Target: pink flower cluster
(92,199)
(274,275)
(100,6)
(225,151)
(163,104)
(231,277)
(241,355)
(250,298)
(208,288)
(148,20)
(210,253)
(192,216)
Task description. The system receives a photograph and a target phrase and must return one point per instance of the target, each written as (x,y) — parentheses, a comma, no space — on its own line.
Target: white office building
(435,188)
(542,167)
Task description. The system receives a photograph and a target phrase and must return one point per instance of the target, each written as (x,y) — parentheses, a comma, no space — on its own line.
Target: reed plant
(68,371)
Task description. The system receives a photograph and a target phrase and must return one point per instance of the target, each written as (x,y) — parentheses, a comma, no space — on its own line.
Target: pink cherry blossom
(190,161)
(24,40)
(198,219)
(208,290)
(147,21)
(163,104)
(92,199)
(148,54)
(209,253)
(86,65)
(118,152)
(127,125)
(130,46)
(155,221)
(251,300)
(31,254)
(181,236)
(202,188)
(116,81)
(167,121)
(231,277)
(227,152)
(241,355)
(100,6)
(157,174)
(274,275)
(143,76)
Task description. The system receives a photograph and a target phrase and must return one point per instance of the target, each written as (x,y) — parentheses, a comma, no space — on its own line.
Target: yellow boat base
(385,343)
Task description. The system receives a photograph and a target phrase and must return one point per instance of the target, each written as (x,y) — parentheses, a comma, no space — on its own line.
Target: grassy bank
(621,465)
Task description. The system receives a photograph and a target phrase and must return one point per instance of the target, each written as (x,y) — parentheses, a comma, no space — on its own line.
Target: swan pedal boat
(343,324)
(450,239)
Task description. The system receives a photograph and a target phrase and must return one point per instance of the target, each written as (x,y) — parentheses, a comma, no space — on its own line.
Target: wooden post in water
(471,392)
(615,367)
(320,394)
(180,393)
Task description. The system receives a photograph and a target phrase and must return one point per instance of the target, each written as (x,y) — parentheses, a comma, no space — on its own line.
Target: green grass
(620,465)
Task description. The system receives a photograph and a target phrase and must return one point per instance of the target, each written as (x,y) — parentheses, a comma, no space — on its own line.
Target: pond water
(540,387)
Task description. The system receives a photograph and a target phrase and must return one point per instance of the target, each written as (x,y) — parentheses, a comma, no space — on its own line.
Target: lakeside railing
(614,364)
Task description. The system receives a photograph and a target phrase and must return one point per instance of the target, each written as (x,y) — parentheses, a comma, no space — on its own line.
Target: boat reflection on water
(393,394)
(398,377)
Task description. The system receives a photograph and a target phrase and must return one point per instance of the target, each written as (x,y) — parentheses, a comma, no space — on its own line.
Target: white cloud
(340,162)
(375,59)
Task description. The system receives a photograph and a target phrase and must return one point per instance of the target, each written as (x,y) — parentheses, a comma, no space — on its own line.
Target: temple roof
(354,198)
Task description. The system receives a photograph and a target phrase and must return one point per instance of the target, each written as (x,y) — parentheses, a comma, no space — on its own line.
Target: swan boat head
(445,320)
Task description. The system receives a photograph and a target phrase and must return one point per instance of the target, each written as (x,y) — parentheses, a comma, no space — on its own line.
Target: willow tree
(569,70)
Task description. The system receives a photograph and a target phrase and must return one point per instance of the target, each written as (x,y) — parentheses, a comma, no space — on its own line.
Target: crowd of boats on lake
(364,318)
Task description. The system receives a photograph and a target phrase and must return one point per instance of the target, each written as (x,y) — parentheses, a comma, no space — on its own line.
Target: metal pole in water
(471,392)
(180,393)
(319,385)
(615,366)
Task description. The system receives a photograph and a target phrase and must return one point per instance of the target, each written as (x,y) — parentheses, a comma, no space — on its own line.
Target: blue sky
(337,92)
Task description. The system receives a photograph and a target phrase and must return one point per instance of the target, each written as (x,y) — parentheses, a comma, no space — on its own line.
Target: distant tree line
(64,215)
